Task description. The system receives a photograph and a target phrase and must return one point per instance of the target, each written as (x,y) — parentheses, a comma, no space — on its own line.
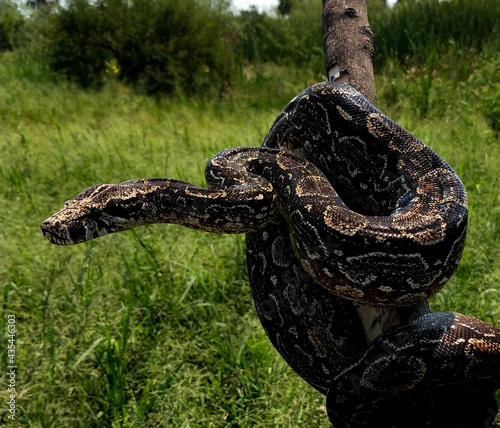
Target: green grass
(412,31)
(155,327)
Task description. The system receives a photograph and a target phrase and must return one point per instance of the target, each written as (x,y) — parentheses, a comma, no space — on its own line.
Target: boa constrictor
(345,211)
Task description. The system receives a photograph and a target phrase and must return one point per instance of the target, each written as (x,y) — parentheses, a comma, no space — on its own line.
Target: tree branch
(348,45)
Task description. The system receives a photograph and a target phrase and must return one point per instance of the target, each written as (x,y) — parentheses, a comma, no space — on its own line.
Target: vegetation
(415,31)
(165,44)
(155,327)
(11,22)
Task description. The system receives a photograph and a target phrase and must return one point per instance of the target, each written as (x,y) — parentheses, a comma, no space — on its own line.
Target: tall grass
(416,30)
(154,327)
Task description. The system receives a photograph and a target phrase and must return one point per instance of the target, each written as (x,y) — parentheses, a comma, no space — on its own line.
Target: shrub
(294,39)
(166,45)
(11,21)
(414,30)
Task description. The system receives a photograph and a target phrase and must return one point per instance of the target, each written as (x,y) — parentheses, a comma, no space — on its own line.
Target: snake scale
(344,211)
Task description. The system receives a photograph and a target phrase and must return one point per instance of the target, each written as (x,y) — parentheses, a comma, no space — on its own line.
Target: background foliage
(155,327)
(163,44)
(201,46)
(11,22)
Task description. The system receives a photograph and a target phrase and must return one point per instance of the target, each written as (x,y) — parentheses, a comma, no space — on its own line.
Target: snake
(345,213)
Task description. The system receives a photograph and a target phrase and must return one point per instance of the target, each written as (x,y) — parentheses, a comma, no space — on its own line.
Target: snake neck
(110,208)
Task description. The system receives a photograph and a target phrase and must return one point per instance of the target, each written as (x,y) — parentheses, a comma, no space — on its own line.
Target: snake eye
(94,213)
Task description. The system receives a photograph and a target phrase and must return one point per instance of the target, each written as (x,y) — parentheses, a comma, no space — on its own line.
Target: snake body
(343,209)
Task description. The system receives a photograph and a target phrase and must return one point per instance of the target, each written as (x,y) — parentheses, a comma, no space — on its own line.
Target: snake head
(92,213)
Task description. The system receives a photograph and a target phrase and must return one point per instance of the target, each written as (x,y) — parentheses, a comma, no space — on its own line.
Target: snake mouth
(53,237)
(71,231)
(58,234)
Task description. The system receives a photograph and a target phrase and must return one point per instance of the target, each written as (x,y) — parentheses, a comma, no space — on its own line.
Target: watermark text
(11,366)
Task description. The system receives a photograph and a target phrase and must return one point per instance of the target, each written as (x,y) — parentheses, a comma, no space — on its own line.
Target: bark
(348,45)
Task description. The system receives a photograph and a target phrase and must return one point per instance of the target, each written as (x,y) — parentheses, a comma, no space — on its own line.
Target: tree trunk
(348,45)
(348,51)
